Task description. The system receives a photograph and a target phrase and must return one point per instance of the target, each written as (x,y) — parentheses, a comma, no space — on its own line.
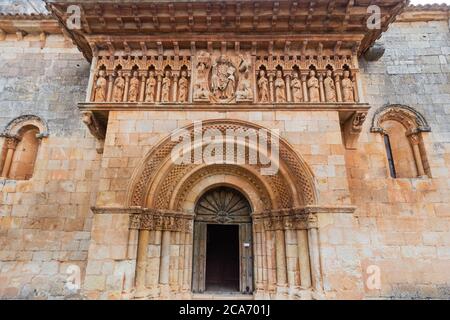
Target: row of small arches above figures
(141,86)
(309,85)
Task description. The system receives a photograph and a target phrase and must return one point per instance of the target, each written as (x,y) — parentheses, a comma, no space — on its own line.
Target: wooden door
(223,205)
(246,257)
(199,258)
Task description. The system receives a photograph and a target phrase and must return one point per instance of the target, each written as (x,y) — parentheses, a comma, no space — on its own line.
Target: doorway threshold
(222,296)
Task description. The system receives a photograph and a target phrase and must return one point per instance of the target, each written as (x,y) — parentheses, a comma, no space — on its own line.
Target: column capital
(414,138)
(12,142)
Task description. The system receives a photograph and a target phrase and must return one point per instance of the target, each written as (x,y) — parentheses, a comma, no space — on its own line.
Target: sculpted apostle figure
(263,87)
(134,88)
(244,91)
(280,87)
(201,90)
(101,87)
(231,81)
(183,87)
(118,87)
(165,89)
(347,87)
(214,80)
(313,87)
(150,87)
(330,89)
(296,88)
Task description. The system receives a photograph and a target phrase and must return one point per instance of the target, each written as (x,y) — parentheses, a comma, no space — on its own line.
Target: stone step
(222,296)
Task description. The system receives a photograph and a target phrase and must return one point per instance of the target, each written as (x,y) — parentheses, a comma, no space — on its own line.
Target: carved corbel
(352,129)
(96,128)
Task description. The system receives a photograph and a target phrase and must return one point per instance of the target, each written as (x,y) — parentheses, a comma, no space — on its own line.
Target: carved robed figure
(313,87)
(263,87)
(118,88)
(101,87)
(280,87)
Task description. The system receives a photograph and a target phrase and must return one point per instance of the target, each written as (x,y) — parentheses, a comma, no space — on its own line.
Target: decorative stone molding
(411,119)
(159,220)
(96,128)
(117,210)
(375,52)
(11,142)
(296,218)
(225,78)
(147,174)
(352,129)
(151,219)
(13,128)
(144,24)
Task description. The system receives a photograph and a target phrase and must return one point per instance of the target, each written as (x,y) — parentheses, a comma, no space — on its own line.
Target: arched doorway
(222,256)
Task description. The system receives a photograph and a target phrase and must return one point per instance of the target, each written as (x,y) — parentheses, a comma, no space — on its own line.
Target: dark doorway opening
(222,258)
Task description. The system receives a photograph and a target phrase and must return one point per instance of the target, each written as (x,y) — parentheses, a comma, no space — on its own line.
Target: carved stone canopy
(132,24)
(410,118)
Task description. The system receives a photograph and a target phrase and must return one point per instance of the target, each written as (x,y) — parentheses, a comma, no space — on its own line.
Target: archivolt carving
(413,120)
(299,173)
(223,169)
(13,127)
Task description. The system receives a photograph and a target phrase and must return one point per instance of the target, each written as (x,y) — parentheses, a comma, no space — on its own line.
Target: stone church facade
(335,187)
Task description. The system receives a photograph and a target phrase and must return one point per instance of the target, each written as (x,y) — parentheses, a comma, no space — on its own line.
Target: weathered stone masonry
(105,197)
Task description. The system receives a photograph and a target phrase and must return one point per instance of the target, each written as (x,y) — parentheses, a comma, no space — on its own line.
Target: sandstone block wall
(401,226)
(405,223)
(45,222)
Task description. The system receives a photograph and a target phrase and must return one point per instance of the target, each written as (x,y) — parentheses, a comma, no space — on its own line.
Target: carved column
(271,87)
(280,248)
(187,262)
(174,260)
(414,139)
(264,259)
(337,82)
(175,87)
(305,89)
(303,258)
(258,257)
(11,144)
(291,257)
(142,91)
(158,87)
(314,254)
(141,260)
(355,87)
(288,87)
(182,245)
(127,87)
(165,260)
(270,249)
(155,261)
(90,87)
(110,87)
(321,89)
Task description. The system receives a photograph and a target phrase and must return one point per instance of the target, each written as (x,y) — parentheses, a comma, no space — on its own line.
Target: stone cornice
(423,13)
(185,18)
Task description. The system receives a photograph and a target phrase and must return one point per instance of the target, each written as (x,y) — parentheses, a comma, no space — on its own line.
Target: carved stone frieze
(226,77)
(150,219)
